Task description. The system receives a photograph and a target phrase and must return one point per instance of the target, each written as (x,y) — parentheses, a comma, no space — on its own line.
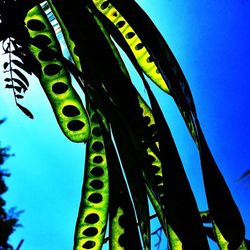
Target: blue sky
(210,39)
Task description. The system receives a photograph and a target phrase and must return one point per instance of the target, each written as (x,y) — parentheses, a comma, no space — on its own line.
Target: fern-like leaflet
(16,81)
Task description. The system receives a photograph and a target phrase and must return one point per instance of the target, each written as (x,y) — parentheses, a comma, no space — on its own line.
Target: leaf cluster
(17,67)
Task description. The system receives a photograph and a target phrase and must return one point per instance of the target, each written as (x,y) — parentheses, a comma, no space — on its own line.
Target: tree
(8,219)
(122,131)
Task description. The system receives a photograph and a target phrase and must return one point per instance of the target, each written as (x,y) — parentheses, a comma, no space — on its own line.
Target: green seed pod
(140,52)
(218,237)
(55,79)
(93,212)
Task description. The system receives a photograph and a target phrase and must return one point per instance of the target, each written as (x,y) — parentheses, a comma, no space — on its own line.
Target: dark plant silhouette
(8,218)
(131,156)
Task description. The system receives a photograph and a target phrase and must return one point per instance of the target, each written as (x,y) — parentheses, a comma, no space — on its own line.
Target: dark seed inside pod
(90,232)
(97,171)
(139,46)
(121,240)
(104,5)
(120,24)
(92,218)
(98,159)
(70,111)
(96,184)
(59,88)
(47,55)
(130,35)
(52,69)
(35,25)
(41,41)
(89,244)
(95,198)
(96,131)
(97,146)
(75,125)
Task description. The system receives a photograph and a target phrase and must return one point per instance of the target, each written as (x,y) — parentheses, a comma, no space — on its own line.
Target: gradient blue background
(211,41)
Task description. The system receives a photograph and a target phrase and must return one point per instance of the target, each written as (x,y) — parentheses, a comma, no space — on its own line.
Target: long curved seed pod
(93,211)
(55,79)
(123,228)
(134,42)
(220,240)
(92,216)
(215,202)
(154,182)
(178,193)
(222,207)
(157,195)
(123,231)
(131,165)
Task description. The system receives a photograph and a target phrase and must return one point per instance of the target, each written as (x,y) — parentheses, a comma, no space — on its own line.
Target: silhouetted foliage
(8,218)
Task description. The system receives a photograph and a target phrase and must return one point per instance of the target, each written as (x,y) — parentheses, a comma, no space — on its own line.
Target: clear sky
(211,41)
